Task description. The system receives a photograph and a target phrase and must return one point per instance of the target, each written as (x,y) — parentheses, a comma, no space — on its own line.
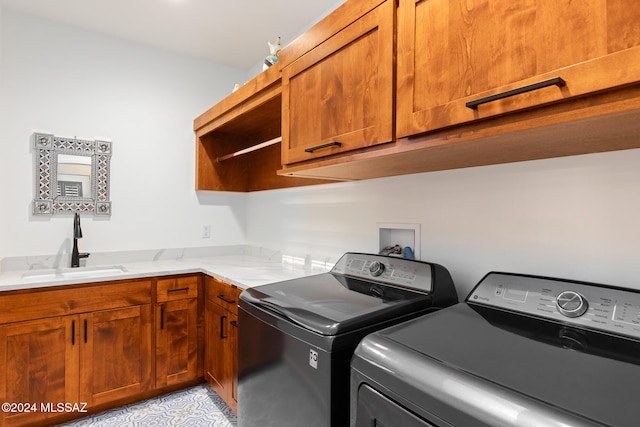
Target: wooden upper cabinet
(454,52)
(338,96)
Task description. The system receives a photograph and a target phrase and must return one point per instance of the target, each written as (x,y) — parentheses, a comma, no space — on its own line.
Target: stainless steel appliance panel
(502,359)
(297,337)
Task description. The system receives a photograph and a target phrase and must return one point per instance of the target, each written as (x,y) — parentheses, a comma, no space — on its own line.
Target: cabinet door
(452,52)
(38,366)
(217,362)
(116,358)
(176,342)
(339,96)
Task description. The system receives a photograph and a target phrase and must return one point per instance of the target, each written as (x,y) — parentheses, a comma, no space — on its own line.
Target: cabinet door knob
(321,146)
(556,81)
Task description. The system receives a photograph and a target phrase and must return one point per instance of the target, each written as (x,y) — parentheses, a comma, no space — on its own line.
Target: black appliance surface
(521,351)
(296,338)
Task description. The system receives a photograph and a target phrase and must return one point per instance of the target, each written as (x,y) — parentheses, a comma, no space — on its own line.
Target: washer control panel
(581,304)
(412,274)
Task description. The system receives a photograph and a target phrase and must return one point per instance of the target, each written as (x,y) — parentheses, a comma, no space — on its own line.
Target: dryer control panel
(581,304)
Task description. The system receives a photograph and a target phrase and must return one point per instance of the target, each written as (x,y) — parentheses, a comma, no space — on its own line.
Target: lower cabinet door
(220,354)
(216,327)
(38,368)
(176,342)
(116,357)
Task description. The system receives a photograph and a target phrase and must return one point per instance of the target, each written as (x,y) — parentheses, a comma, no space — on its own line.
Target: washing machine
(520,351)
(297,337)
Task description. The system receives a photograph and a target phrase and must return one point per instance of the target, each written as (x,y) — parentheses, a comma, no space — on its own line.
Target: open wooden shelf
(248,117)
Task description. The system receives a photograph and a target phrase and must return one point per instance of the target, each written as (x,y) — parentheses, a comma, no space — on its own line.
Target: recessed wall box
(391,234)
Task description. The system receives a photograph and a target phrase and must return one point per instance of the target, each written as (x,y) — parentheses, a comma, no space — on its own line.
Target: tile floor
(193,407)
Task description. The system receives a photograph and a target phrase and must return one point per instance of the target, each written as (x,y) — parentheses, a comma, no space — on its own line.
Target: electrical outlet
(206,231)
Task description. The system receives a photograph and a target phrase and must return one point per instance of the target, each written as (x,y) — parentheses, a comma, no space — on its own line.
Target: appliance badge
(313,359)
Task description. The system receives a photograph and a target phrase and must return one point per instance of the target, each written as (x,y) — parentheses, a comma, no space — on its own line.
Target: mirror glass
(72,175)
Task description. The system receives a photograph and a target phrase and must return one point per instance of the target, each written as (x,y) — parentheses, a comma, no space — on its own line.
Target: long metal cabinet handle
(73,332)
(161,317)
(556,81)
(228,301)
(234,323)
(327,145)
(177,290)
(222,319)
(85,331)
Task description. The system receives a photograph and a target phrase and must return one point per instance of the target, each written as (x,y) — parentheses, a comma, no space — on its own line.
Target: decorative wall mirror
(72,175)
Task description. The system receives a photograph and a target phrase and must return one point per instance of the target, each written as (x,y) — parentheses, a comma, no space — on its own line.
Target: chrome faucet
(77,234)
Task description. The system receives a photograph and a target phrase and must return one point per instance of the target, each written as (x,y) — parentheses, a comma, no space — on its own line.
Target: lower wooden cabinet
(99,345)
(221,343)
(39,363)
(99,352)
(88,359)
(177,331)
(115,354)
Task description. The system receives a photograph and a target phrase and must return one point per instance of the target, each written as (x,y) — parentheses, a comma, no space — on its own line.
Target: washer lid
(330,304)
(506,367)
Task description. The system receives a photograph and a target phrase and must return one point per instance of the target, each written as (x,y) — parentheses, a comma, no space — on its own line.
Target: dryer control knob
(571,304)
(376,268)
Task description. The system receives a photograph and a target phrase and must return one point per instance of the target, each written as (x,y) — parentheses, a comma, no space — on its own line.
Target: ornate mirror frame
(47,201)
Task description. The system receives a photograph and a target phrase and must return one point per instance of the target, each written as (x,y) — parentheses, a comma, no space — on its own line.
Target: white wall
(257,69)
(71,82)
(574,217)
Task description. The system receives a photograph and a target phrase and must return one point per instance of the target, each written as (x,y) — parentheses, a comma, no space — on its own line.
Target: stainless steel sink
(74,273)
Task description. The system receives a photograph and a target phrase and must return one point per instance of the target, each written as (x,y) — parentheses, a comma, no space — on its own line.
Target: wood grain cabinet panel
(455,52)
(116,357)
(177,288)
(338,97)
(177,331)
(99,352)
(38,365)
(221,343)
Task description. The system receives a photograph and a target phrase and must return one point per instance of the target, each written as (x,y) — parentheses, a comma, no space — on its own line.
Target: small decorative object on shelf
(274,48)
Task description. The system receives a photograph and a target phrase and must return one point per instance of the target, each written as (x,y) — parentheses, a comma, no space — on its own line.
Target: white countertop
(243,270)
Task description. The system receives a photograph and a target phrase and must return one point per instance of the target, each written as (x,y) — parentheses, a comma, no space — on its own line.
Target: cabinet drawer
(224,294)
(38,304)
(177,288)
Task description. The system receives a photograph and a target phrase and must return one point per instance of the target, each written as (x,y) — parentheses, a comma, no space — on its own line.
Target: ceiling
(230,32)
